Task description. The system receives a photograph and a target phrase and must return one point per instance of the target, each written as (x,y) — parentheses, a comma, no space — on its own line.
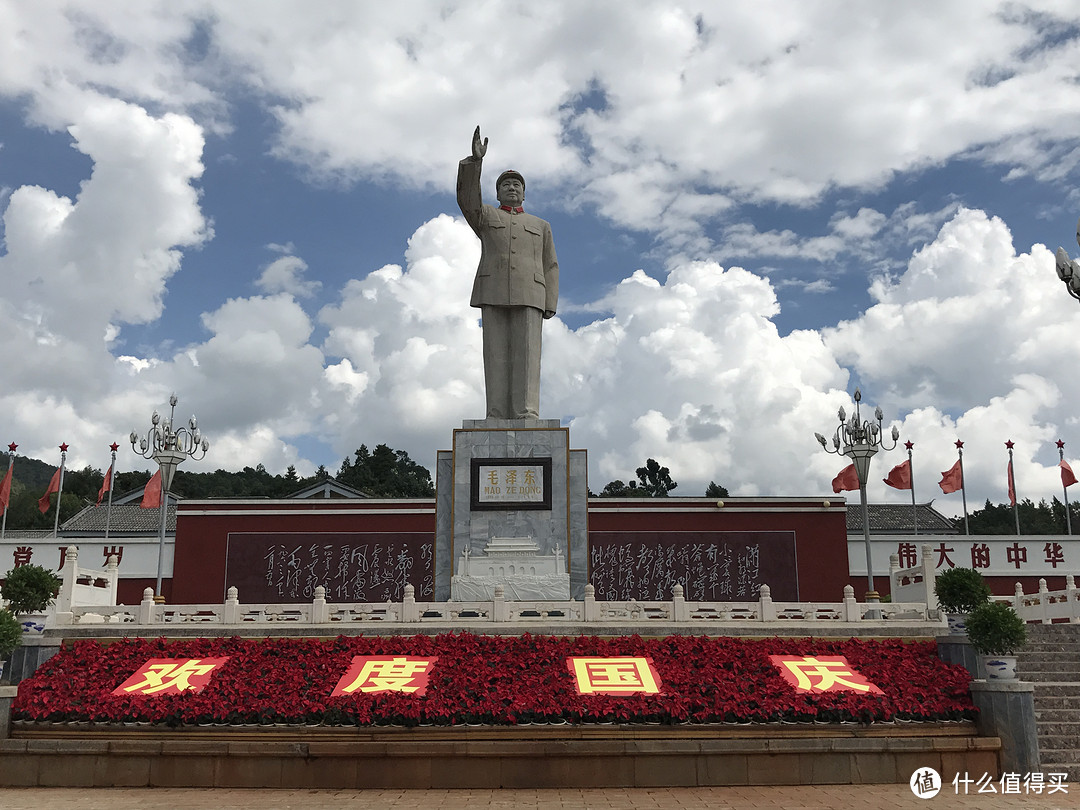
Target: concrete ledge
(492,757)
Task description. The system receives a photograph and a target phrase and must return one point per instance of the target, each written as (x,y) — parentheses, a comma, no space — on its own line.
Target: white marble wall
(563,526)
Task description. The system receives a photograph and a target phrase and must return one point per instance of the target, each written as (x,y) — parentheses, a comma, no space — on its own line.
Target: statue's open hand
(479,148)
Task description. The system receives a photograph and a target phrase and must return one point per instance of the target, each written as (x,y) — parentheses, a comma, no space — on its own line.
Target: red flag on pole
(1067,476)
(846,479)
(54,486)
(5,490)
(152,492)
(1012,486)
(106,485)
(900,476)
(952,479)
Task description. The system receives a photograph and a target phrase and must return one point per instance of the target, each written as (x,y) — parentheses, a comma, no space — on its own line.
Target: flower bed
(493,680)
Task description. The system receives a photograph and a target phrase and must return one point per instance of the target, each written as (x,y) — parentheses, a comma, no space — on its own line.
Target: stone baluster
(320,613)
(766,608)
(591,613)
(149,612)
(851,607)
(679,611)
(231,612)
(409,611)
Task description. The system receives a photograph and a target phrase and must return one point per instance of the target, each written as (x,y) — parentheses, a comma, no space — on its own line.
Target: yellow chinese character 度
(386,674)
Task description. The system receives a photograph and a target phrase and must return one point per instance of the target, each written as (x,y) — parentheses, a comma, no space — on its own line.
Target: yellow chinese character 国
(609,676)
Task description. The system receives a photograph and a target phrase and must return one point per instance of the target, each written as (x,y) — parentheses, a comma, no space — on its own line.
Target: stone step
(1050,758)
(1056,689)
(1066,743)
(1047,674)
(1062,727)
(1056,703)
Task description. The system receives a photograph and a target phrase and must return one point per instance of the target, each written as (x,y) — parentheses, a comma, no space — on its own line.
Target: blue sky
(756,207)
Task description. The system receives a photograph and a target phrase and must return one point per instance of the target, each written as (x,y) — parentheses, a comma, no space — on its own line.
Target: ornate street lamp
(168,447)
(1068,270)
(860,441)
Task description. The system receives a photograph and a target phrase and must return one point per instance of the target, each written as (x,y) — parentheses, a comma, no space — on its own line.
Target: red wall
(203,527)
(202,530)
(820,532)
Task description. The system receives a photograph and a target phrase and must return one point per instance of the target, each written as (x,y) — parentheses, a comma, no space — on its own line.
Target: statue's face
(511,191)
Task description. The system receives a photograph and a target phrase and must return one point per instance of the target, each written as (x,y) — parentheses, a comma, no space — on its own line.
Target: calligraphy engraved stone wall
(353,567)
(711,566)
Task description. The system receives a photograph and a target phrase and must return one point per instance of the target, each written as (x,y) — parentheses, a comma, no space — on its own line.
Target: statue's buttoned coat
(518,266)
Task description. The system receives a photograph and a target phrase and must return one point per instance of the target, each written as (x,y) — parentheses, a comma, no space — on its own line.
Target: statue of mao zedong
(516,286)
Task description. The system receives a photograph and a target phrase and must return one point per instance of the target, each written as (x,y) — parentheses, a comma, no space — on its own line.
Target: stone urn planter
(997,633)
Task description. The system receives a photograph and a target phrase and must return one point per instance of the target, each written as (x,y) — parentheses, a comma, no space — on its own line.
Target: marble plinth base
(465,520)
(555,588)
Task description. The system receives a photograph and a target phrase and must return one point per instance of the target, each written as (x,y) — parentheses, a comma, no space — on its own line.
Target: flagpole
(1012,488)
(911,480)
(112,477)
(963,489)
(1065,489)
(11,464)
(60,490)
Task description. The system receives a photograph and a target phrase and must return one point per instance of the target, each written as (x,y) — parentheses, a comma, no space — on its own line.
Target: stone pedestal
(517,482)
(1007,710)
(957,649)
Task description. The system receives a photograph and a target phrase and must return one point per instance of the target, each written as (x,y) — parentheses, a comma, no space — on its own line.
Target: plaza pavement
(833,797)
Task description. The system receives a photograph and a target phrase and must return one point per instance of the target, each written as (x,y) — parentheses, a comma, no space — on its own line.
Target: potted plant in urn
(959,591)
(28,590)
(997,632)
(10,636)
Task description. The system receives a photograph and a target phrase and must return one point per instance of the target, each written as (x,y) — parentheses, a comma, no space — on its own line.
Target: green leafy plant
(961,590)
(10,633)
(30,589)
(995,629)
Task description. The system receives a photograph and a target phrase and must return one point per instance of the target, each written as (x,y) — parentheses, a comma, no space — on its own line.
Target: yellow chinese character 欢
(170,675)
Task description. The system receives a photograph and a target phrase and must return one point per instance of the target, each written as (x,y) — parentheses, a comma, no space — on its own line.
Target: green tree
(714,490)
(1040,518)
(619,489)
(653,481)
(386,473)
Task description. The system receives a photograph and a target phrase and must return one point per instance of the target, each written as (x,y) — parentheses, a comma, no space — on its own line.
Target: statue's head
(510,188)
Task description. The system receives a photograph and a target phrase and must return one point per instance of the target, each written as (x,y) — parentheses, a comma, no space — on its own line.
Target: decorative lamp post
(168,447)
(1068,270)
(860,441)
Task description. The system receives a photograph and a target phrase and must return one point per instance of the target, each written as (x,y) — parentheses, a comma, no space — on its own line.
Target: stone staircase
(1051,660)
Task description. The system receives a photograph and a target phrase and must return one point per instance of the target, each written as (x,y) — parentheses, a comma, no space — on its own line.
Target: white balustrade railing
(1045,606)
(589,610)
(915,584)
